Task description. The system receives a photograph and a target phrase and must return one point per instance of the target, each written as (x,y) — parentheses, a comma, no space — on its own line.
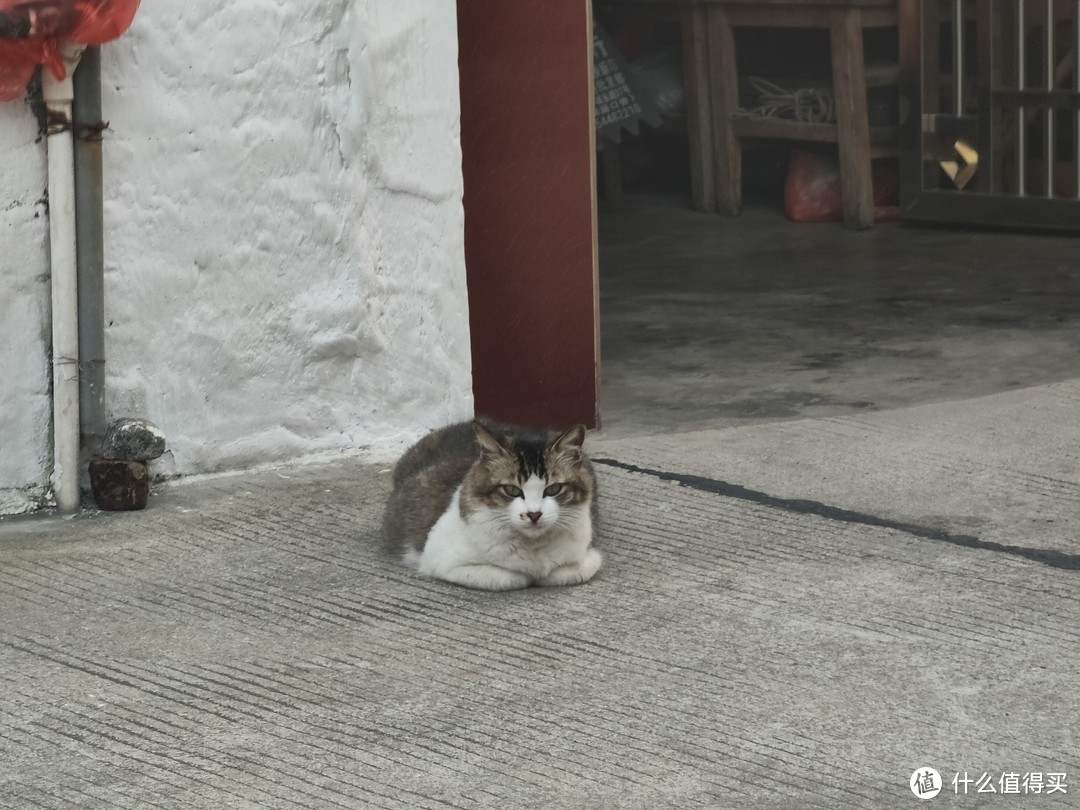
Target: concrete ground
(714,322)
(801,603)
(790,616)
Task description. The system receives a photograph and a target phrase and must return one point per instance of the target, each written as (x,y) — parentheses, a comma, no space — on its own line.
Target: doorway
(707,321)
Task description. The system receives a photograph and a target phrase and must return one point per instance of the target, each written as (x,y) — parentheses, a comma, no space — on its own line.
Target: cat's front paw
(485,577)
(575,573)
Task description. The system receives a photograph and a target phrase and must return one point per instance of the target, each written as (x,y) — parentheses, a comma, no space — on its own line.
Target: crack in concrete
(1054,558)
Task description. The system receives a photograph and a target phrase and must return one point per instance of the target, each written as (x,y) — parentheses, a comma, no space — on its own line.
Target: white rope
(810,105)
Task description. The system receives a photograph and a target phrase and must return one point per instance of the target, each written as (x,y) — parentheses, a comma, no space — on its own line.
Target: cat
(495,507)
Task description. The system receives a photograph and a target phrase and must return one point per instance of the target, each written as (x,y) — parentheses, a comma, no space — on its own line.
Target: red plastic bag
(44,25)
(813,193)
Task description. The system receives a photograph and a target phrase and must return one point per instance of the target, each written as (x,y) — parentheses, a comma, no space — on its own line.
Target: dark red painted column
(530,251)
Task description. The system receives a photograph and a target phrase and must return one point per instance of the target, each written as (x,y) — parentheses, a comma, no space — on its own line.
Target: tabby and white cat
(495,507)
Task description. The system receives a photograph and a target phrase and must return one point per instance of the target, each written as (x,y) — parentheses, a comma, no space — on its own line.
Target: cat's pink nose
(534,516)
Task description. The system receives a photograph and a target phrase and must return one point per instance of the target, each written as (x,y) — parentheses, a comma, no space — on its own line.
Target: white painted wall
(284,229)
(25,408)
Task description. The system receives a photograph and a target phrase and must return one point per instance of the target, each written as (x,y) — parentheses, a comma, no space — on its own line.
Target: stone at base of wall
(119,485)
(135,439)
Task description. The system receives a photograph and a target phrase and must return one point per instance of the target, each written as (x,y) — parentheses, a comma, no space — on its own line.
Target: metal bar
(958,57)
(973,208)
(1021,121)
(913,19)
(1048,147)
(985,180)
(1068,100)
(933,71)
(967,126)
(923,19)
(1076,84)
(89,249)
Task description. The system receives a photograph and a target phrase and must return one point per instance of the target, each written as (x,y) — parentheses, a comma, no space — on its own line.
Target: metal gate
(992,125)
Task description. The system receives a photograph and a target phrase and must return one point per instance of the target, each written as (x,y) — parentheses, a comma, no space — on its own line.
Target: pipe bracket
(93,132)
(57,121)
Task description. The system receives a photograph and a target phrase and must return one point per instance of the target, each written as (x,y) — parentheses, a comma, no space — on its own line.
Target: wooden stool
(715,128)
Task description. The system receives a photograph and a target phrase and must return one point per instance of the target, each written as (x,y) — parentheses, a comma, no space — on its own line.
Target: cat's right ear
(571,441)
(489,445)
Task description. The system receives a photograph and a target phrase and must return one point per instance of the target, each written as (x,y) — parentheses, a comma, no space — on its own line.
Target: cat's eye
(511,490)
(553,490)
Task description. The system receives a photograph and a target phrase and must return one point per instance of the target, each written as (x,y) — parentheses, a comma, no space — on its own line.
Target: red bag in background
(813,193)
(44,25)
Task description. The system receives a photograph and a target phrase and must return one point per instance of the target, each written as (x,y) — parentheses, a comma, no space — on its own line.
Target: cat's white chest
(477,552)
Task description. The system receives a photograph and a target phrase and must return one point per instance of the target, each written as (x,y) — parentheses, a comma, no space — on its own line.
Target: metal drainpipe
(90,252)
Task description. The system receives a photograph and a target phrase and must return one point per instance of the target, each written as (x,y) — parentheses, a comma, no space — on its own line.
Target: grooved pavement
(243,643)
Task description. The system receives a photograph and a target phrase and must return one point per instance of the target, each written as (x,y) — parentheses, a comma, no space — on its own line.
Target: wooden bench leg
(725,103)
(692,22)
(853,126)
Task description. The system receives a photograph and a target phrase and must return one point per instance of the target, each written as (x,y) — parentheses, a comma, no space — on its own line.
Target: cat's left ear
(570,442)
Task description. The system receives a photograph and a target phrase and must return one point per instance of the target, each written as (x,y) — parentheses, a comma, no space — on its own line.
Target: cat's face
(529,486)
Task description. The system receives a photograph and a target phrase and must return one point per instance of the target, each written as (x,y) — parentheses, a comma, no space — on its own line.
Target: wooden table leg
(725,103)
(698,109)
(853,126)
